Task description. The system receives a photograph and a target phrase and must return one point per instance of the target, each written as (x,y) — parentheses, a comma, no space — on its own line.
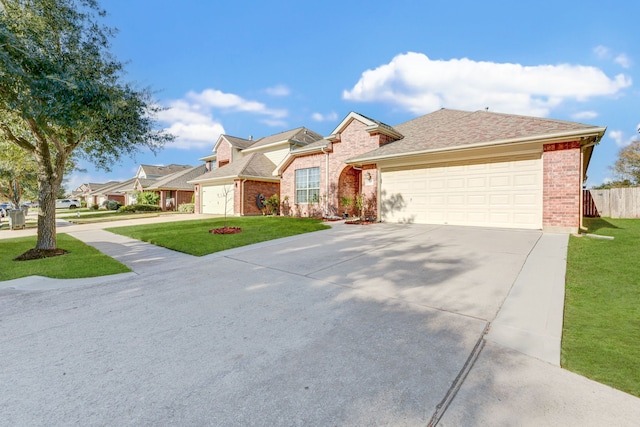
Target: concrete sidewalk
(530,319)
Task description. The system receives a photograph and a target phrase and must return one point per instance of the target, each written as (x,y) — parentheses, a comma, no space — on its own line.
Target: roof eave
(383,130)
(258,178)
(582,134)
(262,147)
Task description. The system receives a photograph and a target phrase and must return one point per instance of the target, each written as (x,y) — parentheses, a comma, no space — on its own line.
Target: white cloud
(419,84)
(601,51)
(619,138)
(582,115)
(278,90)
(623,60)
(191,119)
(274,123)
(228,101)
(330,117)
(192,124)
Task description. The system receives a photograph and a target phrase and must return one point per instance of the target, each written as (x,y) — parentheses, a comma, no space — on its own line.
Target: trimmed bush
(111,205)
(140,208)
(95,207)
(187,208)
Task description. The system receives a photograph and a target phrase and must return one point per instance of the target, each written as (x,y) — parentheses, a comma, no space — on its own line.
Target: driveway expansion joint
(441,408)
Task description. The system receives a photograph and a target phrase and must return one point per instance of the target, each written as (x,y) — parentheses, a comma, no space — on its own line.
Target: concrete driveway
(357,325)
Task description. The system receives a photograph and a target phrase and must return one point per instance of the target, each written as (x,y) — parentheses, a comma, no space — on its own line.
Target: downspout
(582,176)
(242,197)
(581,219)
(378,193)
(326,182)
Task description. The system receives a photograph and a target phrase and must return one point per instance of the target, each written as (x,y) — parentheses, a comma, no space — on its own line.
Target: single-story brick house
(447,167)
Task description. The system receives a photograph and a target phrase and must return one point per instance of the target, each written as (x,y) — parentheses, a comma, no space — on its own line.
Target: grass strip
(81,261)
(601,333)
(193,237)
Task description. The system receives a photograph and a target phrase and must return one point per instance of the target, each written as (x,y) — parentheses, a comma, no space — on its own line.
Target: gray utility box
(16,219)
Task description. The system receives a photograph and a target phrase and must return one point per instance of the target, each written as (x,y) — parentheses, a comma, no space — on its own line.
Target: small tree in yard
(61,95)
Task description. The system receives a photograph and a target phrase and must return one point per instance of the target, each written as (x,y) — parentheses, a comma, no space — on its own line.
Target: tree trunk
(47,214)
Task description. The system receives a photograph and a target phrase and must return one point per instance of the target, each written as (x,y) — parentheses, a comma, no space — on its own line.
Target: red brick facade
(223,153)
(561,186)
(344,180)
(245,201)
(196,198)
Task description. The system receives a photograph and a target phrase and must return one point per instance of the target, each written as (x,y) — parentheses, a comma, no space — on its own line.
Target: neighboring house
(170,182)
(175,189)
(449,167)
(114,190)
(243,170)
(87,192)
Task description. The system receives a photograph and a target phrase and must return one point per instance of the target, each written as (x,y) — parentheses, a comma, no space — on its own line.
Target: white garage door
(495,194)
(213,199)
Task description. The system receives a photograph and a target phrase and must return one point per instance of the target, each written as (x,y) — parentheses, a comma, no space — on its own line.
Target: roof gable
(372,126)
(179,180)
(254,165)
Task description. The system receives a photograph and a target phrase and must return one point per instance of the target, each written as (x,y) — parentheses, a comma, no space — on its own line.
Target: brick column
(561,188)
(196,199)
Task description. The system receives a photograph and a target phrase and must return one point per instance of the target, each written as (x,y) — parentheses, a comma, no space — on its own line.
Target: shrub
(111,205)
(147,197)
(187,208)
(273,203)
(140,208)
(95,207)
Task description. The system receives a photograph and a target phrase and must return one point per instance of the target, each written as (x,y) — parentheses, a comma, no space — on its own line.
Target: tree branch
(19,141)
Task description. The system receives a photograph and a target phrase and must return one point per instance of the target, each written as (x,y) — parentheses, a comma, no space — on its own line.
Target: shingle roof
(454,128)
(178,180)
(253,165)
(379,123)
(312,146)
(146,182)
(114,187)
(238,142)
(301,134)
(153,171)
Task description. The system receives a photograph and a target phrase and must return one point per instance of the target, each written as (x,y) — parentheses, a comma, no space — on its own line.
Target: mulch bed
(225,230)
(358,222)
(40,254)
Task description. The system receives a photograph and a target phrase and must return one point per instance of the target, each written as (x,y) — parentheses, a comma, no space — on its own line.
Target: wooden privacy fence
(612,202)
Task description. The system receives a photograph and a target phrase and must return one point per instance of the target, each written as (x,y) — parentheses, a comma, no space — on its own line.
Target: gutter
(555,137)
(242,197)
(326,184)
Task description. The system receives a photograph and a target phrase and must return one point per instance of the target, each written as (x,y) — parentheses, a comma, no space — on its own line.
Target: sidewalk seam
(441,407)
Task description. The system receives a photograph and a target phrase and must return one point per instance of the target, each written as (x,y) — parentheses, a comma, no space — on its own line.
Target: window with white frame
(308,185)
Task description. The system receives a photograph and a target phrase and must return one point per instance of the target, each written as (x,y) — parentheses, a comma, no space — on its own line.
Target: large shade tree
(627,166)
(62,94)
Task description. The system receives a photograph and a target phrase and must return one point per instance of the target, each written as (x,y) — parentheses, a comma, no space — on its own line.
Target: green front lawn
(81,261)
(193,237)
(601,336)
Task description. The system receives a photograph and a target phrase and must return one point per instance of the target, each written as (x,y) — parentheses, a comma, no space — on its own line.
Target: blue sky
(260,67)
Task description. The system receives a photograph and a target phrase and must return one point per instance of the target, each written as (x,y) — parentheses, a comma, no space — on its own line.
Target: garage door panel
(213,199)
(500,181)
(499,193)
(477,199)
(477,182)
